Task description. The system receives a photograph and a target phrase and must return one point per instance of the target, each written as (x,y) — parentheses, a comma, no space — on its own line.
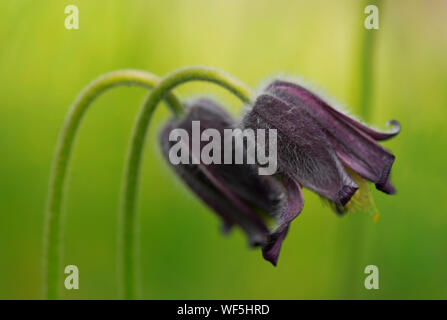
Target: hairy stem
(129,250)
(53,219)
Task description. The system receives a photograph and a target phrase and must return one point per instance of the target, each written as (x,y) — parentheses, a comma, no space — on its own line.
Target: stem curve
(128,237)
(53,214)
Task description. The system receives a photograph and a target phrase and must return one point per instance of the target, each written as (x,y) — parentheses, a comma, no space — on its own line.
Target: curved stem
(53,222)
(129,196)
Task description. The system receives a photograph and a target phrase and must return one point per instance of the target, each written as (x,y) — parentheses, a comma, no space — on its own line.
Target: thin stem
(357,228)
(53,222)
(128,236)
(365,75)
(361,233)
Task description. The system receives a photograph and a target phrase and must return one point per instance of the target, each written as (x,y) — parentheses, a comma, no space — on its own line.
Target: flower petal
(270,252)
(294,203)
(353,144)
(292,208)
(233,191)
(320,103)
(375,134)
(304,152)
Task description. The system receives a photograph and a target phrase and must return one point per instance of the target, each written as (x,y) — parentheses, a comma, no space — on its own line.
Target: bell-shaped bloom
(317,143)
(234,191)
(318,147)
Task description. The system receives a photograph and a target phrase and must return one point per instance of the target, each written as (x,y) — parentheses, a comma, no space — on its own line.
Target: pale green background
(43,66)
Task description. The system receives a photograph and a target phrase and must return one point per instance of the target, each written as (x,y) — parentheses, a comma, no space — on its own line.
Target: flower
(235,191)
(320,147)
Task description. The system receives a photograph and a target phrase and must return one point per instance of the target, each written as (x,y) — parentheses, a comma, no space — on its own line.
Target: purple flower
(234,191)
(318,146)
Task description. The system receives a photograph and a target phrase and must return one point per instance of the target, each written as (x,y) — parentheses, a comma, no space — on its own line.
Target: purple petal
(292,208)
(231,190)
(387,187)
(375,134)
(304,152)
(263,192)
(247,218)
(271,251)
(349,138)
(294,203)
(306,94)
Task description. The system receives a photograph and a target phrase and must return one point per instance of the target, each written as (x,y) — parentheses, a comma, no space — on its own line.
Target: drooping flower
(235,191)
(320,147)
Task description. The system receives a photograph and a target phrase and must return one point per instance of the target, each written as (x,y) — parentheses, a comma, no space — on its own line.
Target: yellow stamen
(362,201)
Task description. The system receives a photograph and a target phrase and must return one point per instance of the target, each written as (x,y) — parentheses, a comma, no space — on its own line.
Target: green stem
(128,224)
(53,222)
(356,233)
(365,74)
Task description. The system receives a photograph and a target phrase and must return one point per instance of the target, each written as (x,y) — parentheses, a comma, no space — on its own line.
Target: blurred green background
(43,67)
